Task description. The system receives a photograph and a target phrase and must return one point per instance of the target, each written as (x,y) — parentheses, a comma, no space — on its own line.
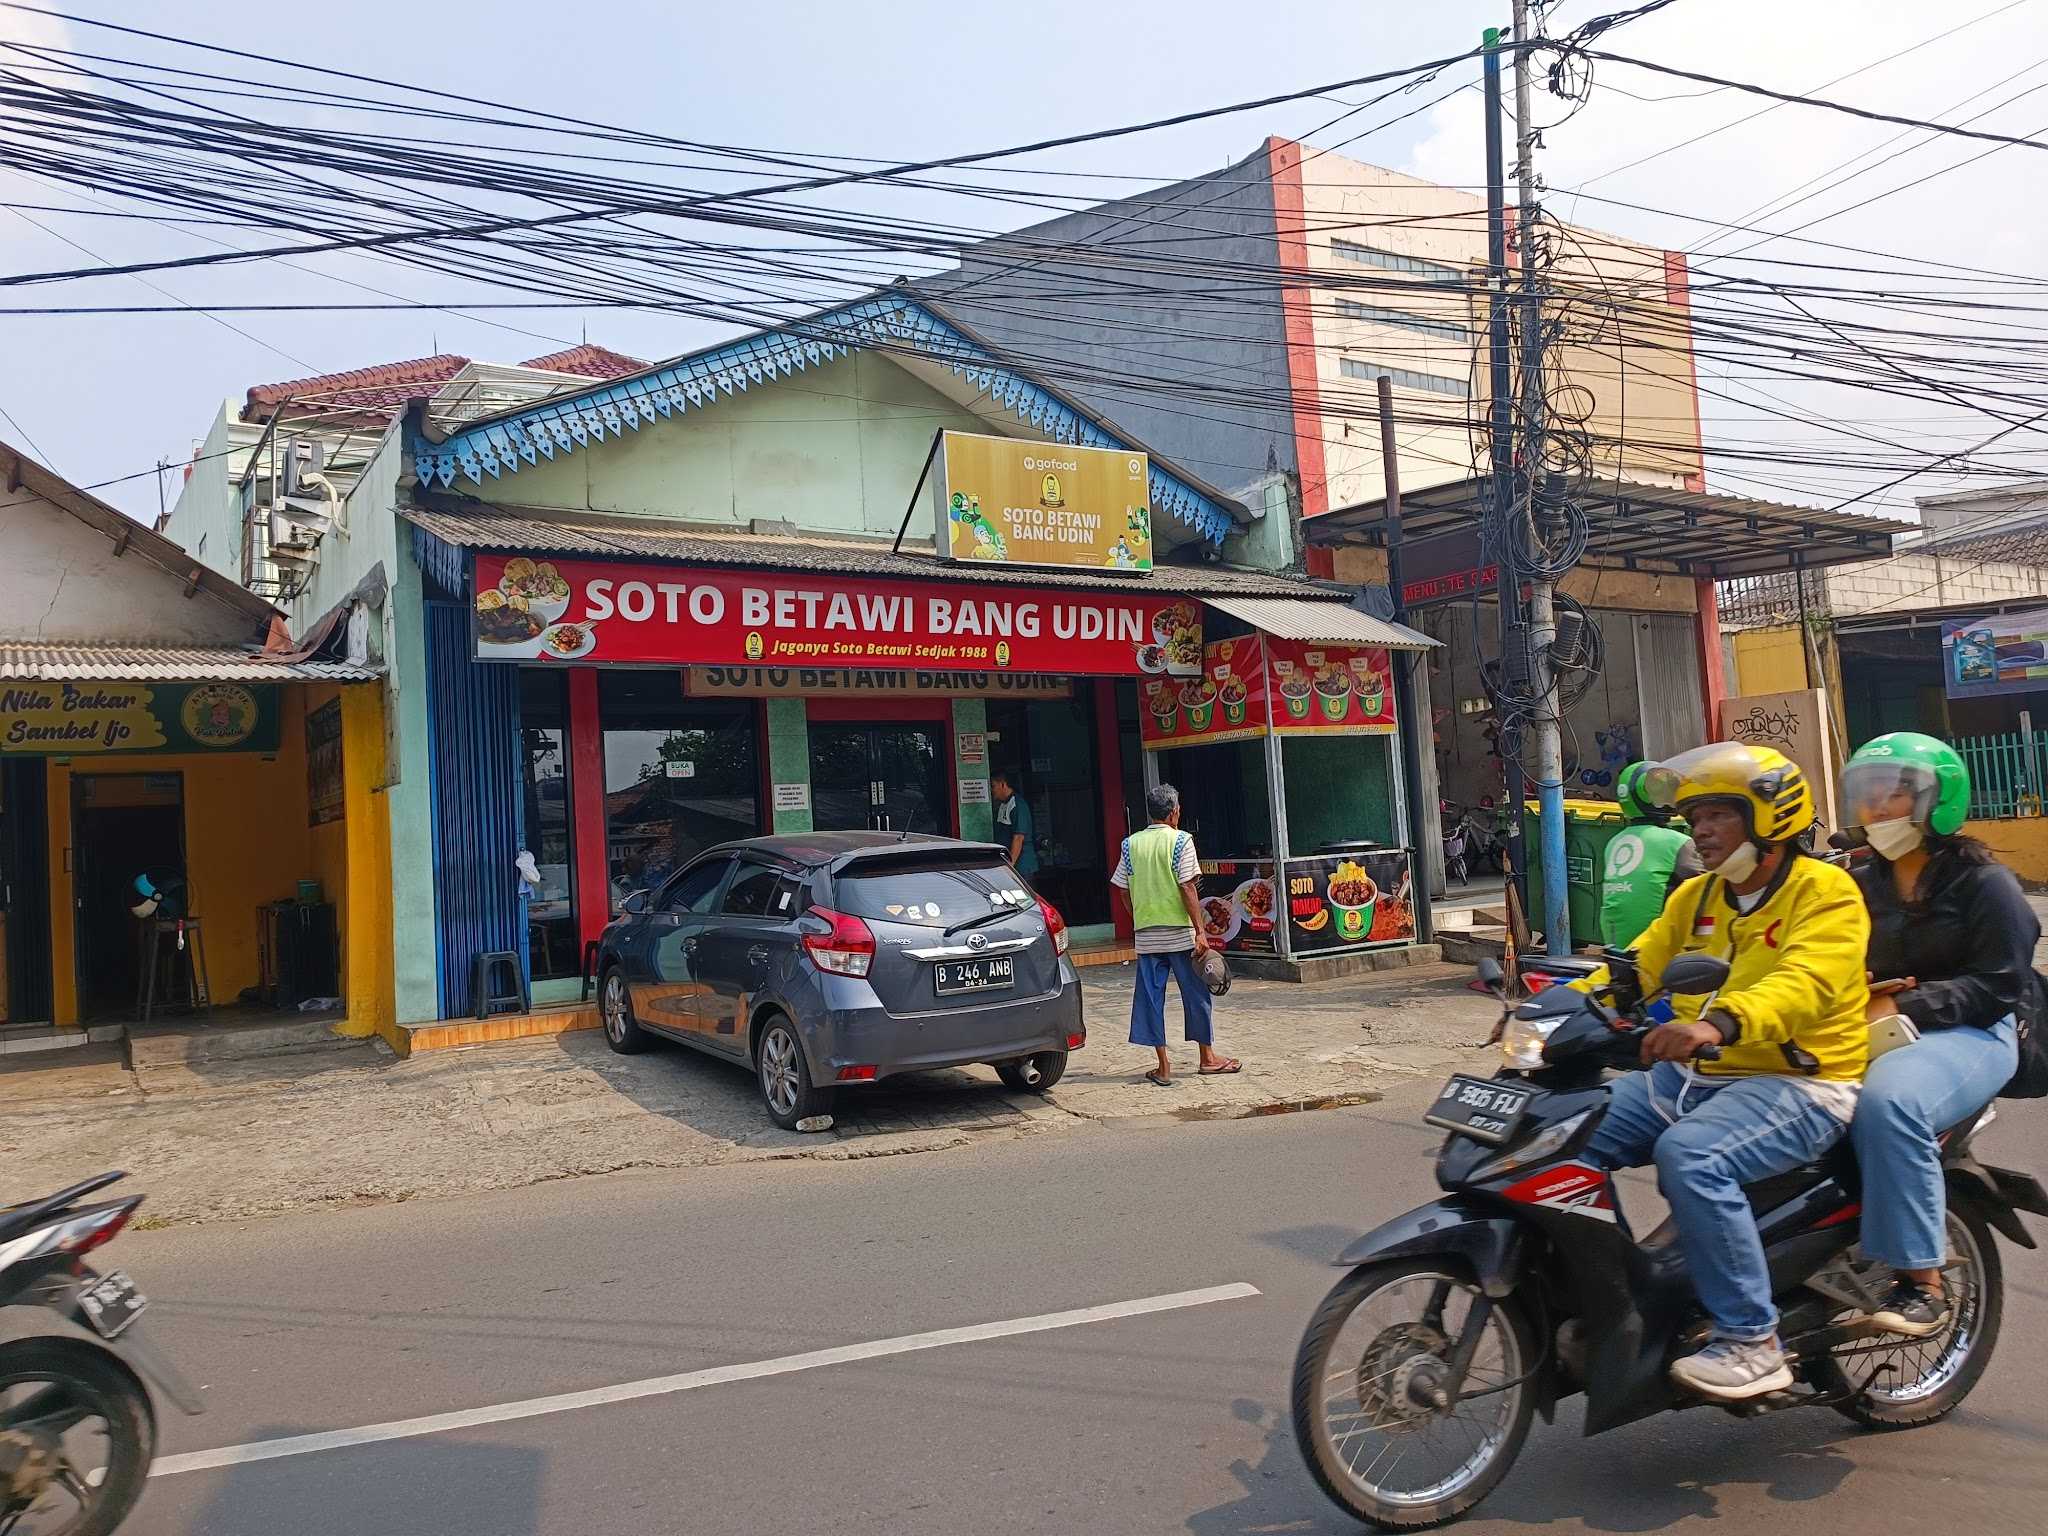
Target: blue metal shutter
(473,744)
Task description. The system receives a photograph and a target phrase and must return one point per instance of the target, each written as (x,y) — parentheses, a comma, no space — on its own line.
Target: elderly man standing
(1157,875)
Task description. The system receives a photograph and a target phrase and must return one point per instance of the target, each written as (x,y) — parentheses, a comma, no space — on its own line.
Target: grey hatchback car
(830,959)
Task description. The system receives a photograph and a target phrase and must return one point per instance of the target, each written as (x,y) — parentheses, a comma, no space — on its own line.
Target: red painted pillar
(1707,630)
(1109,769)
(586,805)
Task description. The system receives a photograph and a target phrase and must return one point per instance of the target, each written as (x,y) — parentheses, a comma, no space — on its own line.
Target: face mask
(1739,865)
(1893,838)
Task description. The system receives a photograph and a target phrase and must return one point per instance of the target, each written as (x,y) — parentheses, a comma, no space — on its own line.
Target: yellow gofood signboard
(1010,502)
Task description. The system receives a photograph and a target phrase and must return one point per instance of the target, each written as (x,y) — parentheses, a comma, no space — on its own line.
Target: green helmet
(1628,789)
(1926,766)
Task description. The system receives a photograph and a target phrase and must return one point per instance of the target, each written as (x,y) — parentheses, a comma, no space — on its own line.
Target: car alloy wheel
(615,1007)
(779,1079)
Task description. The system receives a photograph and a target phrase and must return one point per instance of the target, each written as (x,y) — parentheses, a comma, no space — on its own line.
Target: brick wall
(1909,583)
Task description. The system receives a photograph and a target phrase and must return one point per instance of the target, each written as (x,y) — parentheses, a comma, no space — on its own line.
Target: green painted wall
(977,822)
(789,757)
(836,449)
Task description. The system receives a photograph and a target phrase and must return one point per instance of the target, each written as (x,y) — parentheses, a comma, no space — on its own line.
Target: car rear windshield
(929,894)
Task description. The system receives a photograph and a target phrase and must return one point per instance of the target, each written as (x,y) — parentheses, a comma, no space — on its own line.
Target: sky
(100,398)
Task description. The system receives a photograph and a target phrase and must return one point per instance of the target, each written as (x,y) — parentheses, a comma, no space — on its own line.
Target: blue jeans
(1912,1095)
(1148,1002)
(1728,1133)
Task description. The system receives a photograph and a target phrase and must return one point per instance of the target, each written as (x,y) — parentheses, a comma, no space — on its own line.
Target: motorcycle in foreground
(1419,1374)
(77,1429)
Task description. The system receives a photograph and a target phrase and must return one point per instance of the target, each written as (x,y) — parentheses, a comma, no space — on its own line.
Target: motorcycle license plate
(1485,1110)
(111,1303)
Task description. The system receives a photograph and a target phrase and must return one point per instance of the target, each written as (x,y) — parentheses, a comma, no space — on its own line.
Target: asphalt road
(1172,1421)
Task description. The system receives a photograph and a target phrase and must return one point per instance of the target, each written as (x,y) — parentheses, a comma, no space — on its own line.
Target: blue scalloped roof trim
(505,446)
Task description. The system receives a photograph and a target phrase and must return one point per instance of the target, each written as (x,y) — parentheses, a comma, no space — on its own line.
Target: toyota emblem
(977,941)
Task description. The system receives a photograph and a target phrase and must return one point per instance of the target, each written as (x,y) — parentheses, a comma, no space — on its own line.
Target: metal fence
(2005,772)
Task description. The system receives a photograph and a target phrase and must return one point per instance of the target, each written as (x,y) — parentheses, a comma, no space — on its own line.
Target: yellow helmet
(1776,800)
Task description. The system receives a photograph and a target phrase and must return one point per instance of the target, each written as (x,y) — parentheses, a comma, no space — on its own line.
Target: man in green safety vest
(1646,861)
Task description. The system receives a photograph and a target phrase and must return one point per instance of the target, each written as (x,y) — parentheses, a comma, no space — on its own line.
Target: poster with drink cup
(1227,702)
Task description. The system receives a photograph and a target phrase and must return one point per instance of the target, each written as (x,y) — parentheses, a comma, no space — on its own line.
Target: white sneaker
(1733,1371)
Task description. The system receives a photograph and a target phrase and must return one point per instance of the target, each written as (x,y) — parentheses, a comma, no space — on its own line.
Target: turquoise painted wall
(836,449)
(789,757)
(977,822)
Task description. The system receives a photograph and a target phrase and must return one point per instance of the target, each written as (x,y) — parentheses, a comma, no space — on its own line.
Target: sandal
(1227,1065)
(1154,1078)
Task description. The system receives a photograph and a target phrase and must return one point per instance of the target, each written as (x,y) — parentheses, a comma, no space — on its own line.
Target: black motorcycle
(1419,1374)
(77,1429)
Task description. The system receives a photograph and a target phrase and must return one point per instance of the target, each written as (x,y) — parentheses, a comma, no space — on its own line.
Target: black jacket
(1971,948)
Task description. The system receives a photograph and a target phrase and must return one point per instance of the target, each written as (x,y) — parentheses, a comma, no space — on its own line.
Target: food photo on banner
(574,610)
(1330,689)
(1227,702)
(1335,902)
(1240,909)
(1998,653)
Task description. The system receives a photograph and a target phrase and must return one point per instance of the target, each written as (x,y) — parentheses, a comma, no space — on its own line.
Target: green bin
(1588,825)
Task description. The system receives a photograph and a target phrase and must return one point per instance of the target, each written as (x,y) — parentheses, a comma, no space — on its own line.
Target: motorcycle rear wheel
(1930,1377)
(1350,1412)
(41,1376)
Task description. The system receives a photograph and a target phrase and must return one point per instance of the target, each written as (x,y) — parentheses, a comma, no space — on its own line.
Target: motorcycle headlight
(1540,1148)
(1522,1042)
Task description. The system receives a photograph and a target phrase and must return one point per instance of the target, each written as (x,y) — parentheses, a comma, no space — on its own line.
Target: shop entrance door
(122,825)
(889,776)
(24,893)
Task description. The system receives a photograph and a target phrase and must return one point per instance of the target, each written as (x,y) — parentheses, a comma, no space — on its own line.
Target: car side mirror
(636,901)
(1694,975)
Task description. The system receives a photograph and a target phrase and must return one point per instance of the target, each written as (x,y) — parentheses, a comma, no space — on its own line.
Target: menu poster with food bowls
(1240,908)
(1330,689)
(1348,901)
(529,607)
(1226,702)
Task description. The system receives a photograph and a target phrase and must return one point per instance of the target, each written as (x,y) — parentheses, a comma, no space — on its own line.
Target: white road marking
(688,1381)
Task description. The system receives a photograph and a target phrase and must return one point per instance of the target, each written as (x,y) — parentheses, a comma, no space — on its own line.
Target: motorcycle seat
(1837,1163)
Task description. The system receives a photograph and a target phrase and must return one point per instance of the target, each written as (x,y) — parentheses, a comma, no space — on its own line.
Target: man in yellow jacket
(1788,1025)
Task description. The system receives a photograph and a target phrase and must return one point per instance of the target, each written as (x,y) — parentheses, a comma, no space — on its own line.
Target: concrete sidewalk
(213,1140)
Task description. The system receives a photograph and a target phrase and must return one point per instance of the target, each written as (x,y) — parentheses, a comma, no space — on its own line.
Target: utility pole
(1416,728)
(1542,630)
(1501,501)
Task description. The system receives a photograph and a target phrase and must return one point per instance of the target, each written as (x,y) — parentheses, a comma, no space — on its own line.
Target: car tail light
(1055,926)
(1076,1041)
(856,1074)
(843,945)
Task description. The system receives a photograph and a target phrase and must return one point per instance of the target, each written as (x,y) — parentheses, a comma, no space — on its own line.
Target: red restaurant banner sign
(580,610)
(1331,690)
(1226,703)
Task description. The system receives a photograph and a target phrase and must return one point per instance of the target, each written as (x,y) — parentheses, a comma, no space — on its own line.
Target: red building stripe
(586,805)
(1290,228)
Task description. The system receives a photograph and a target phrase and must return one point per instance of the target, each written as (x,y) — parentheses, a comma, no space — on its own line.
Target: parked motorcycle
(1419,1374)
(77,1428)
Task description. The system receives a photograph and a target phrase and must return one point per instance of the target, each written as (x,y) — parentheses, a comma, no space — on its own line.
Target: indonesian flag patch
(1703,926)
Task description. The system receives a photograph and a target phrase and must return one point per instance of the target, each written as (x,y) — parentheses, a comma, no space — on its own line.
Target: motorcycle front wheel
(1917,1381)
(1365,1398)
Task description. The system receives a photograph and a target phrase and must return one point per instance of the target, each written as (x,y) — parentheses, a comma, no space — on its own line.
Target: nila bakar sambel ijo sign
(575,610)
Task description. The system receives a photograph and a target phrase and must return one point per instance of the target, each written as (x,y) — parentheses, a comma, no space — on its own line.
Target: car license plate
(1473,1106)
(111,1303)
(989,974)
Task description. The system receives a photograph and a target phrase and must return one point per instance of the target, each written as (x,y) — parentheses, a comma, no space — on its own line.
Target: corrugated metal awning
(1329,623)
(25,662)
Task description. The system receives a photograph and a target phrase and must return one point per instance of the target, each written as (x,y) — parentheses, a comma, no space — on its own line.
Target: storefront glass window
(551,910)
(680,775)
(1340,789)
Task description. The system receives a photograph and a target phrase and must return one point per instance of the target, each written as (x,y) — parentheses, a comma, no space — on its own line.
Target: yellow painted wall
(2021,845)
(1769,661)
(366,935)
(246,843)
